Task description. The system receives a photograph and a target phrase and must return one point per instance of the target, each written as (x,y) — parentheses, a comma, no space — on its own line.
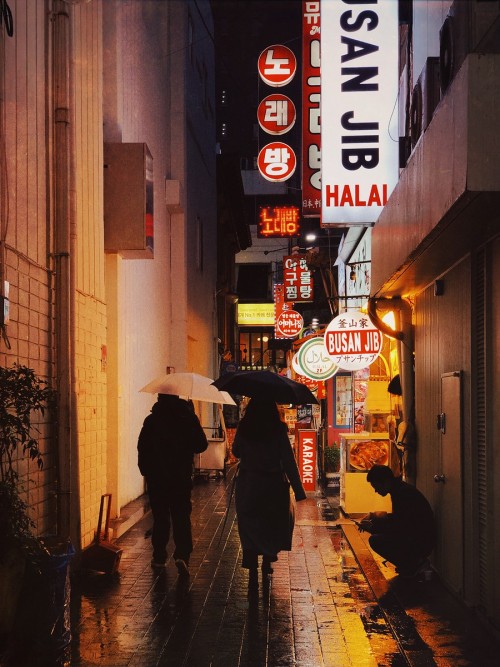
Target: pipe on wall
(65,258)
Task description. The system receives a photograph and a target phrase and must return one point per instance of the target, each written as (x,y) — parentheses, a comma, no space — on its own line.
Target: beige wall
(161,310)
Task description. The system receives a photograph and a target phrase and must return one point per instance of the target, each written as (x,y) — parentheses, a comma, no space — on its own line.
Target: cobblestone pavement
(316,609)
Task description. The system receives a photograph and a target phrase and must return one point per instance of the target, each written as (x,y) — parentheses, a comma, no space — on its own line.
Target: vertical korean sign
(297,279)
(277,65)
(311,131)
(307,458)
(359,88)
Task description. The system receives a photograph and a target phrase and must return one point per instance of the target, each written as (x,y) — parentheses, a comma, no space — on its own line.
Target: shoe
(157,563)
(182,567)
(411,572)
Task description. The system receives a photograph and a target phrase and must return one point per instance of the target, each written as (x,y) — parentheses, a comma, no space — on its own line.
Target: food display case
(358,453)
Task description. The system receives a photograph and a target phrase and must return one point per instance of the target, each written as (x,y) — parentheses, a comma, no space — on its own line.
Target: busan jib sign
(359,88)
(352,341)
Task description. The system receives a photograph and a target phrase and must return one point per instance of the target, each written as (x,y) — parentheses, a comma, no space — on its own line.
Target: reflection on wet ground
(319,607)
(316,609)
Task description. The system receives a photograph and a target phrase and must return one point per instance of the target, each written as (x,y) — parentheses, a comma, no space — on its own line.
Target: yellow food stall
(358,453)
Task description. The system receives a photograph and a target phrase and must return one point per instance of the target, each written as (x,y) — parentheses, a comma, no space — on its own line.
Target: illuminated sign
(297,279)
(276,162)
(255,314)
(352,341)
(289,324)
(276,114)
(359,88)
(313,362)
(278,222)
(311,98)
(307,458)
(277,65)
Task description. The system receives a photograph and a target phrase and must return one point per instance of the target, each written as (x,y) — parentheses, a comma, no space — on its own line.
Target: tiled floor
(316,609)
(328,603)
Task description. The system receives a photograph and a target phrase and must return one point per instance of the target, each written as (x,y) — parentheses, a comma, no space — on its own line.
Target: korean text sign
(297,278)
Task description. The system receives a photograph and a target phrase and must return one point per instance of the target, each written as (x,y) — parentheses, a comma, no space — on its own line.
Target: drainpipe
(405,350)
(64,258)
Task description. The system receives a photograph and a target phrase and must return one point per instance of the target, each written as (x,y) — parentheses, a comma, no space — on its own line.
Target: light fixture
(310,237)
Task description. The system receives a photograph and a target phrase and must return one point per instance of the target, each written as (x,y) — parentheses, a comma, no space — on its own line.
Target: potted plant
(22,396)
(332,459)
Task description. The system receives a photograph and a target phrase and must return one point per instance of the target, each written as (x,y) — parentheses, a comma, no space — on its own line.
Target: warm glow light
(310,237)
(389,319)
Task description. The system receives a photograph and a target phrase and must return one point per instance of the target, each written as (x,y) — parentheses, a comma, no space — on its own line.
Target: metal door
(449,508)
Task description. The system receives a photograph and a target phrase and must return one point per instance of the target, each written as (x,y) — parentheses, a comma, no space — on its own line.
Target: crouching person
(406,536)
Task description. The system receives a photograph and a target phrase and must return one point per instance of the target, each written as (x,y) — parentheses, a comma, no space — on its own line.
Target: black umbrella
(267,386)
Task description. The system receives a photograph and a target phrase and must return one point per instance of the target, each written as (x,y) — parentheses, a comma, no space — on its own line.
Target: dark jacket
(169,438)
(264,505)
(411,518)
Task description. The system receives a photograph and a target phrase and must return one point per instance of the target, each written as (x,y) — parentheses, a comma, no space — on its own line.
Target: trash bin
(44,625)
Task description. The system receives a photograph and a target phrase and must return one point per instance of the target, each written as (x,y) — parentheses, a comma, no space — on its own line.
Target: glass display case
(358,453)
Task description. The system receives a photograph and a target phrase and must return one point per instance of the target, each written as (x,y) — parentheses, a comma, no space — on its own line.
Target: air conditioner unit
(472,26)
(425,98)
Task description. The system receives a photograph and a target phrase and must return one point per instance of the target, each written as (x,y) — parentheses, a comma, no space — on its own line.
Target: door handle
(441,422)
(439,478)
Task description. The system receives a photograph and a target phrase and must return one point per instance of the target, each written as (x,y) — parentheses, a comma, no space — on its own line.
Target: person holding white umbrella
(169,438)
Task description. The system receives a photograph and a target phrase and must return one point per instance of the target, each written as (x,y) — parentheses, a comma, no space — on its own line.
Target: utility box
(128,201)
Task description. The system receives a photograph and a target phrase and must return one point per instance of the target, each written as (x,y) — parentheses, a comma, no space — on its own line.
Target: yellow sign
(256,314)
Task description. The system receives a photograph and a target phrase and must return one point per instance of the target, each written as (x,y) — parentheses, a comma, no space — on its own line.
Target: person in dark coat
(169,438)
(406,536)
(267,468)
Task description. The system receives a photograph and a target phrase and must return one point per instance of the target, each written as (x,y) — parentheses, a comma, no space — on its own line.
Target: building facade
(436,247)
(108,217)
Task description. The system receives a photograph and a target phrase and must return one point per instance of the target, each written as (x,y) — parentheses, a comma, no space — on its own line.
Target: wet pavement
(328,603)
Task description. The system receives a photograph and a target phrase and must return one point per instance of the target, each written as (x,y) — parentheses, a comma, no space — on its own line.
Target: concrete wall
(161,309)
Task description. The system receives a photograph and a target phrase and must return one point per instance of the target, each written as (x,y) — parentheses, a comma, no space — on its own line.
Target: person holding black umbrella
(267,468)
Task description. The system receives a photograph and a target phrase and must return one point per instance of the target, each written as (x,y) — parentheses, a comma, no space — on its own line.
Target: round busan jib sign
(352,341)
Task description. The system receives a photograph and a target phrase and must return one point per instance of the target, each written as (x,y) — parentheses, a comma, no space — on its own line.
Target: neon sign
(278,222)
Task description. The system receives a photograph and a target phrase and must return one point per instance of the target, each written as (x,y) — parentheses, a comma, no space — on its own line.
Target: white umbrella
(188,385)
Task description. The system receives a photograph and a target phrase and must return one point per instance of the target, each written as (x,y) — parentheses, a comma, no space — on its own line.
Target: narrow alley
(318,609)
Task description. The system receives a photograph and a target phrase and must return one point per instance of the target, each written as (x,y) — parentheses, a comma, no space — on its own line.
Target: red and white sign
(277,65)
(276,114)
(289,324)
(311,96)
(278,222)
(359,127)
(307,451)
(276,162)
(297,279)
(352,341)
